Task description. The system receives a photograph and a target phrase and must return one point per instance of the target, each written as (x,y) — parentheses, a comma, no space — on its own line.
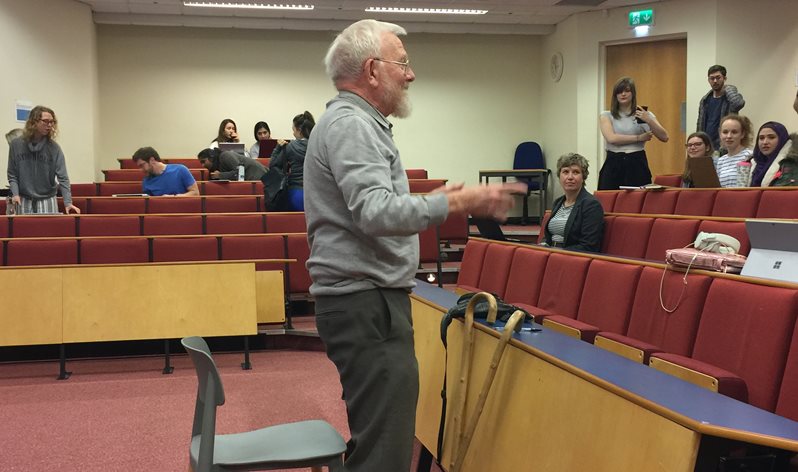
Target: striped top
(726,167)
(557,224)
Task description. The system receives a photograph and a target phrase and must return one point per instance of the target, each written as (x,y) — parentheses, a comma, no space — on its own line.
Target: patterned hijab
(763,162)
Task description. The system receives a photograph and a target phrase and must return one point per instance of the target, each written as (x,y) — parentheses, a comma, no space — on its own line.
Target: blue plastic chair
(528,155)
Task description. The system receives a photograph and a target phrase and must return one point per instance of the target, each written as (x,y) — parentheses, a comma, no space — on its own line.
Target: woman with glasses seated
(699,144)
(577,218)
(37,168)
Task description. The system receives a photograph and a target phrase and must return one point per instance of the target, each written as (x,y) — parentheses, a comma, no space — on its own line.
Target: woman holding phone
(626,129)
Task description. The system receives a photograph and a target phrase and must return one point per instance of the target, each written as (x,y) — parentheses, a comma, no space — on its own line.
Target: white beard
(399,98)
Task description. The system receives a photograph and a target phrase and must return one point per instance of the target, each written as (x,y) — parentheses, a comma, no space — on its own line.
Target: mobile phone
(645,108)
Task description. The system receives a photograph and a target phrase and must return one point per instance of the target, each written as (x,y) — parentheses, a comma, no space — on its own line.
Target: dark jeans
(369,337)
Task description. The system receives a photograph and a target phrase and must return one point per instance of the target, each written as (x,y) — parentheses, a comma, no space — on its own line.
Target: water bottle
(240,173)
(743,174)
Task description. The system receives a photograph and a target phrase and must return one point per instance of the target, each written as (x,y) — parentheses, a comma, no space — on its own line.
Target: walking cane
(464,437)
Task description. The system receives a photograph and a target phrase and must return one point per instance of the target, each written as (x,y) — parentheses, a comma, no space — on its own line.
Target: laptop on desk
(774,250)
(703,173)
(491,229)
(235,147)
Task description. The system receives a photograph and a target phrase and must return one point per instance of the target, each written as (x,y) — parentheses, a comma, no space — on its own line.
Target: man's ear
(372,72)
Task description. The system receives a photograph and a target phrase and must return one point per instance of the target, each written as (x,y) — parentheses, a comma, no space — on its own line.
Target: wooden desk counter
(560,404)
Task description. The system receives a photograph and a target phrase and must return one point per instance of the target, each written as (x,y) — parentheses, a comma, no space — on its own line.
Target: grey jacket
(363,223)
(292,154)
(36,170)
(733,102)
(229,162)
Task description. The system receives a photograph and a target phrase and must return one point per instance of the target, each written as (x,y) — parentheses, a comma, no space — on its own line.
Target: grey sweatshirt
(34,167)
(362,220)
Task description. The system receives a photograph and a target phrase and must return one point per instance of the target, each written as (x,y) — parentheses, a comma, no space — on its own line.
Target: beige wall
(49,58)
(170,88)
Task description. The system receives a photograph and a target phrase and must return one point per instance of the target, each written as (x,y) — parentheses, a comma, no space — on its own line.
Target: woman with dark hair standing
(290,158)
(262,133)
(698,144)
(36,166)
(626,128)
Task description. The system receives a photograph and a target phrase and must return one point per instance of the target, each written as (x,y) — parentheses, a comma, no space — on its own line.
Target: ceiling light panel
(256,6)
(427,11)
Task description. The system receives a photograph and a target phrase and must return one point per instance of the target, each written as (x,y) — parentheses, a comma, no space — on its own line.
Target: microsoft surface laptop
(774,250)
(703,173)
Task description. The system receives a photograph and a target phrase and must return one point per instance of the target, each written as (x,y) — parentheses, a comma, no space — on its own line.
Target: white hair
(358,42)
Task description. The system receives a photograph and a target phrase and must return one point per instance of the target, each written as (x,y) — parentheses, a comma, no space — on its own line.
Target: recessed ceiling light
(261,6)
(432,11)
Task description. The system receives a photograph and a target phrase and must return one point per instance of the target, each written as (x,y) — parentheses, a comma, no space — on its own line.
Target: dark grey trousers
(369,337)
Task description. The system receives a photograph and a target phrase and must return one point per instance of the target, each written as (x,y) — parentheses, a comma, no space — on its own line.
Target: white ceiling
(503,17)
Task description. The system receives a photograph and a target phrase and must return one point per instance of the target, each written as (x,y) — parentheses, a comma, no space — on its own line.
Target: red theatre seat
(543,224)
(114,251)
(607,199)
(174,205)
(122,175)
(127,164)
(743,339)
(234,224)
(454,229)
(736,203)
(286,222)
(43,226)
(185,249)
(191,163)
(562,270)
(526,276)
(660,202)
(629,236)
(83,190)
(606,300)
(496,269)
(416,173)
(103,225)
(232,204)
(629,201)
(228,188)
(778,204)
(428,245)
(652,328)
(118,206)
(107,189)
(788,395)
(425,185)
(42,252)
(668,180)
(172,225)
(298,277)
(266,246)
(667,234)
(81,202)
(3,226)
(695,202)
(471,265)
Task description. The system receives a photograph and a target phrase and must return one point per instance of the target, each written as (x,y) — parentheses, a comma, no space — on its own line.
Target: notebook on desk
(702,172)
(774,252)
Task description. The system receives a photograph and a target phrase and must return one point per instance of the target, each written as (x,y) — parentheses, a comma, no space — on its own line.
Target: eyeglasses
(693,145)
(715,78)
(49,122)
(405,65)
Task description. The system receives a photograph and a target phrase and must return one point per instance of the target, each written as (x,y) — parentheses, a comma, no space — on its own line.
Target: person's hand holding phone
(642,115)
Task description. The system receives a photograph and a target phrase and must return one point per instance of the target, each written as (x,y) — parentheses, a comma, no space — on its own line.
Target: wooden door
(659,69)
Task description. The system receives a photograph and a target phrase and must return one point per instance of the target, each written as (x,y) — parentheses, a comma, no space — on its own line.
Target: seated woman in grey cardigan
(577,218)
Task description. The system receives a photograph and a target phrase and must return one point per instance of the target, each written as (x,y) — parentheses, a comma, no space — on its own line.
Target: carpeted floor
(124,415)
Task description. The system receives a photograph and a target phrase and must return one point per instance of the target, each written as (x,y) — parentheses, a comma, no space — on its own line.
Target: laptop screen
(774,252)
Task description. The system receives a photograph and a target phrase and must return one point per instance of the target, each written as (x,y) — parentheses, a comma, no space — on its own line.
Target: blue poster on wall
(23,109)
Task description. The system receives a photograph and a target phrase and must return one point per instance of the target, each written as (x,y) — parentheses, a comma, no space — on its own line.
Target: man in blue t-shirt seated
(164,179)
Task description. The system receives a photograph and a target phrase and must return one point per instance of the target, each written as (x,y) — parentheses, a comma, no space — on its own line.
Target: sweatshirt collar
(360,102)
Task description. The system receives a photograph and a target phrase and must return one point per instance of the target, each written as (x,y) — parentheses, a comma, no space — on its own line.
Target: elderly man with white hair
(362,228)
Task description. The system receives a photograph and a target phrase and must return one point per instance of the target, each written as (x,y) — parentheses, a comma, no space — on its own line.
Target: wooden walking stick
(458,419)
(465,440)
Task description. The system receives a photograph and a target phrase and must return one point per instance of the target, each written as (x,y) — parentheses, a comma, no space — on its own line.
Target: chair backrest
(43,226)
(695,202)
(629,201)
(526,276)
(528,155)
(607,295)
(778,204)
(607,199)
(663,202)
(200,355)
(471,265)
(736,203)
(629,236)
(667,233)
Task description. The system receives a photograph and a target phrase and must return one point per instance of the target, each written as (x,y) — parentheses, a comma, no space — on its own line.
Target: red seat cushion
(607,296)
(104,225)
(286,223)
(697,202)
(3,226)
(114,251)
(526,276)
(672,332)
(185,249)
(118,206)
(234,224)
(236,204)
(107,189)
(264,246)
(471,265)
(172,225)
(736,203)
(778,204)
(629,201)
(667,234)
(607,199)
(416,173)
(42,252)
(605,242)
(496,268)
(44,226)
(174,205)
(425,185)
(629,236)
(660,202)
(228,188)
(543,224)
(455,228)
(298,277)
(729,383)
(788,395)
(563,270)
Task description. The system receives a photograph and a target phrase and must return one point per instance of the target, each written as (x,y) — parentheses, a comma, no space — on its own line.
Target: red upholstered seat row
(733,329)
(140,205)
(132,175)
(133,186)
(29,252)
(735,203)
(147,225)
(190,162)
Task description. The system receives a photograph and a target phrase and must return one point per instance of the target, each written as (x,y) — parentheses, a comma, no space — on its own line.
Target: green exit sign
(641,18)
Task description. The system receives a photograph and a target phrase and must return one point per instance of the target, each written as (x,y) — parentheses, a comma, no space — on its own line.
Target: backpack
(787,176)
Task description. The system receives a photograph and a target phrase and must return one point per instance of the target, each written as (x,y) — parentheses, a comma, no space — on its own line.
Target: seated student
(772,144)
(699,144)
(290,157)
(228,133)
(262,132)
(577,220)
(735,137)
(224,165)
(164,179)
